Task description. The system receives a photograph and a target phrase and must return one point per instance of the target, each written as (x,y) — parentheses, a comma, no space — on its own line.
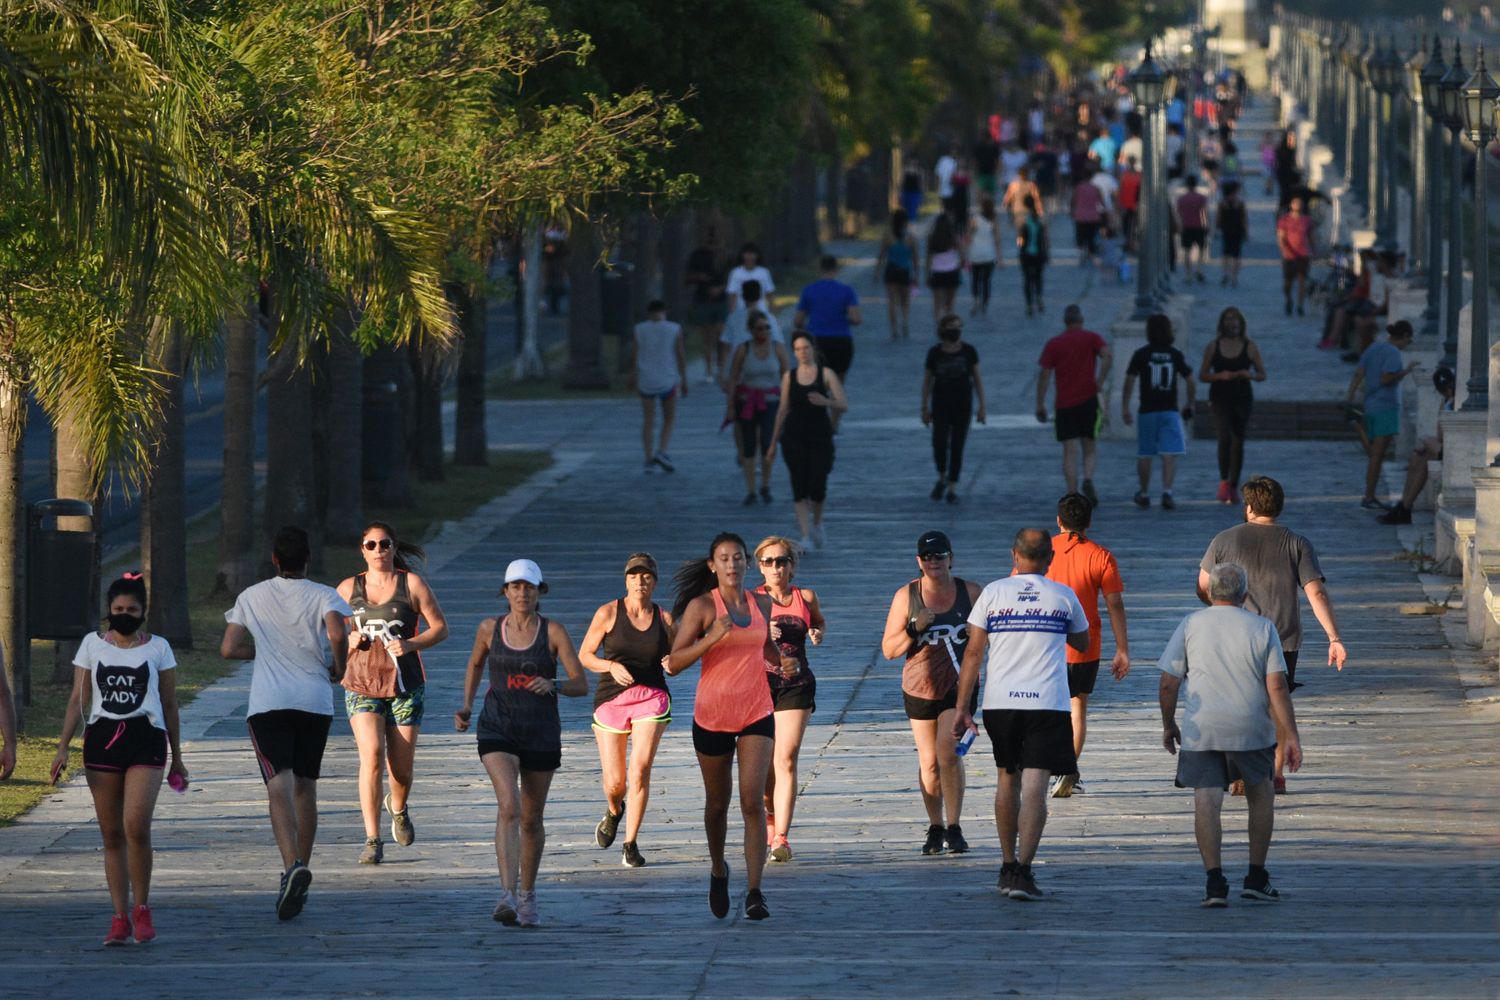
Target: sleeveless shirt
(393,619)
(733,690)
(1237,390)
(933,662)
(806,421)
(794,620)
(512,712)
(640,650)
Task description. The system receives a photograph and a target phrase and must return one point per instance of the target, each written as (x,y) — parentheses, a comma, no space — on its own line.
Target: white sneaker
(649,468)
(505,910)
(817,536)
(526,910)
(665,461)
(804,543)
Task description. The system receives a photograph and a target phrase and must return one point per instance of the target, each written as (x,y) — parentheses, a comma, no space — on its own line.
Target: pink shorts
(637,703)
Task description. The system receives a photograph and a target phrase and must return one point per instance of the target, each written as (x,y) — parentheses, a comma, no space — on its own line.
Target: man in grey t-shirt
(1237,718)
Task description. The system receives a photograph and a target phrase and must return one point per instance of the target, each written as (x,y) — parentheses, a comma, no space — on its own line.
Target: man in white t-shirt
(295,631)
(658,370)
(1025,622)
(947,166)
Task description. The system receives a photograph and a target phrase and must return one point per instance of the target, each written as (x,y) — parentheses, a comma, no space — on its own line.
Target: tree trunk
(470,442)
(833,197)
(428,373)
(13,632)
(385,457)
(585,315)
(163,506)
(238,542)
(290,483)
(344,382)
(676,243)
(74,478)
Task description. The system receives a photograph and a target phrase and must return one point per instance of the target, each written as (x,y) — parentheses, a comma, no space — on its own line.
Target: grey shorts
(1217,768)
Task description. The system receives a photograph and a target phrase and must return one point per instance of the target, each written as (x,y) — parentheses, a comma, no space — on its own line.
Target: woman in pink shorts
(628,643)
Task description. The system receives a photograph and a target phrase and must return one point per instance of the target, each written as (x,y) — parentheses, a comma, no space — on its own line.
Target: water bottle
(962,747)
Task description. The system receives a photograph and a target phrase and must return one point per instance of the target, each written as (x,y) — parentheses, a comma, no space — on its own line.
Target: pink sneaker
(780,849)
(119,931)
(145,930)
(1223,495)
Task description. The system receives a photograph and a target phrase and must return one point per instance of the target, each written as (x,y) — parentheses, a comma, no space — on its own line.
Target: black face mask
(950,335)
(126,624)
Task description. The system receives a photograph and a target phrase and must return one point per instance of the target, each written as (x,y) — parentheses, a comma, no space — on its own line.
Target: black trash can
(60,598)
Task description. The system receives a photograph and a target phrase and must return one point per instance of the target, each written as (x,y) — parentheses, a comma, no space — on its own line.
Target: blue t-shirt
(826,303)
(1383,358)
(1105,149)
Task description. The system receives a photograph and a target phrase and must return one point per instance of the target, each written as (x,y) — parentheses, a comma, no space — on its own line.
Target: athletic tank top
(639,650)
(761,373)
(898,255)
(394,619)
(1234,391)
(982,245)
(733,690)
(794,620)
(933,662)
(512,712)
(804,419)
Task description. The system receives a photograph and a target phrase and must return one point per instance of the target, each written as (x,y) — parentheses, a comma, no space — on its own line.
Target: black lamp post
(1410,84)
(1452,117)
(1433,72)
(1148,84)
(1478,106)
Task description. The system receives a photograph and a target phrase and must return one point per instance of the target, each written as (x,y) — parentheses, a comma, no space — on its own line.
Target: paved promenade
(1386,845)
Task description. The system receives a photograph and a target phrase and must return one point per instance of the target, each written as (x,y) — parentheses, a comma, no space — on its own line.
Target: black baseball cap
(933,542)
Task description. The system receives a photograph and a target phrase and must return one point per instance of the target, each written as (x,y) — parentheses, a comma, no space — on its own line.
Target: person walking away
(1192,223)
(1033,249)
(1232,220)
(1130,203)
(751,267)
(829,310)
(986,163)
(1268,159)
(1016,193)
(125,682)
(982,243)
(1088,216)
(1018,629)
(962,197)
(1225,666)
(1090,571)
(1080,358)
(1281,566)
(944,261)
(810,397)
(710,304)
(1013,163)
(1230,363)
(294,631)
(628,644)
(950,385)
(927,627)
(911,195)
(1380,371)
(1294,240)
(896,268)
(385,684)
(519,730)
(1158,366)
(658,371)
(943,170)
(755,374)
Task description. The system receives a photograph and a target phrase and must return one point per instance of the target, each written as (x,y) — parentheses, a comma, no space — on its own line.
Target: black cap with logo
(933,542)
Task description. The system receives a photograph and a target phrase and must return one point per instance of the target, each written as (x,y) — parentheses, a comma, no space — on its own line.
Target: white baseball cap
(526,570)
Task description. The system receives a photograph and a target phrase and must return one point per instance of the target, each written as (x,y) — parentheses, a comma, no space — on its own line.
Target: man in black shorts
(1019,628)
(281,624)
(1079,359)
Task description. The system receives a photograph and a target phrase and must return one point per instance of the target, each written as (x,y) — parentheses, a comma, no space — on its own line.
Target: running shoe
(1370,503)
(119,931)
(937,491)
(934,843)
(1288,307)
(1090,492)
(781,850)
(505,910)
(665,461)
(749,501)
(1142,500)
(604,833)
(1167,503)
(650,467)
(718,893)
(1007,878)
(1223,496)
(1259,887)
(817,536)
(755,905)
(765,494)
(1061,786)
(294,883)
(1396,515)
(630,856)
(402,830)
(954,835)
(1300,310)
(373,853)
(1078,788)
(526,914)
(952,497)
(1216,893)
(140,919)
(1024,886)
(804,543)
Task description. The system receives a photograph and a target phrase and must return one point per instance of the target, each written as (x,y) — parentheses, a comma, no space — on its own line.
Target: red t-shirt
(1296,235)
(1192,209)
(1071,355)
(1130,190)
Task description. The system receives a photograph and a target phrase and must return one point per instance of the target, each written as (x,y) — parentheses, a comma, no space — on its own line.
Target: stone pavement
(1385,850)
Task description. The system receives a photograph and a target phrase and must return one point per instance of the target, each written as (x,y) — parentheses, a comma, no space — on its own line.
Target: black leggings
(1232,418)
(979,279)
(1031,276)
(808,464)
(949,432)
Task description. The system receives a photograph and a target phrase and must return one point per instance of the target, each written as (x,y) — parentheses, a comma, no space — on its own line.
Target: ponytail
(695,577)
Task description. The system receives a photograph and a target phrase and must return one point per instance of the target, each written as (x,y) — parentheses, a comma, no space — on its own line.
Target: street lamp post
(1148,84)
(1433,72)
(1478,103)
(1374,195)
(1391,71)
(1410,81)
(1453,82)
(1163,281)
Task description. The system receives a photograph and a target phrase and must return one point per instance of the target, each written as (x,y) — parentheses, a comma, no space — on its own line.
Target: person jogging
(950,388)
(811,398)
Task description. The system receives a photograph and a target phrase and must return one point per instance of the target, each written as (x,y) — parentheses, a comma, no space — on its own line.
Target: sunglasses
(776,561)
(933,556)
(371,544)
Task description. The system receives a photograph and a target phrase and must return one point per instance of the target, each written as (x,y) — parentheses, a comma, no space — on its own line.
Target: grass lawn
(463,489)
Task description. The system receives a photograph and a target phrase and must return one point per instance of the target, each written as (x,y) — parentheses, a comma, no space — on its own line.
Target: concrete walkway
(1385,850)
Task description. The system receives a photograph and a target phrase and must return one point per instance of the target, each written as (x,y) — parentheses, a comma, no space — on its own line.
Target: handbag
(370,670)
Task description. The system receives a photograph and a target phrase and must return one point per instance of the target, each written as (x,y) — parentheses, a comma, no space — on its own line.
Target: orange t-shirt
(1088,569)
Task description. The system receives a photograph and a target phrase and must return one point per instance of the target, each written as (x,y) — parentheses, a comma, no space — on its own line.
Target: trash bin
(60,598)
(614,300)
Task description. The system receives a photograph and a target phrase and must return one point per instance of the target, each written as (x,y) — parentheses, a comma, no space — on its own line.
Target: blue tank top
(512,712)
(899,255)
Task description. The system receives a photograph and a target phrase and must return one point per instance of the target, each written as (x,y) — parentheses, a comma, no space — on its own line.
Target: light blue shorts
(1159,433)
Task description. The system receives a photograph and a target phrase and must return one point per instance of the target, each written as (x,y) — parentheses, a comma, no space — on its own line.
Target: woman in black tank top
(1230,363)
(811,399)
(389,602)
(625,644)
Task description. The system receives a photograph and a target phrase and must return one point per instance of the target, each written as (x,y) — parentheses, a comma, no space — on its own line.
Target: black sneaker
(954,835)
(934,843)
(1090,492)
(1007,877)
(1167,503)
(1216,894)
(1396,515)
(755,905)
(749,501)
(952,497)
(604,833)
(1288,307)
(939,490)
(718,893)
(1259,887)
(765,495)
(630,856)
(662,460)
(294,883)
(1142,500)
(1023,885)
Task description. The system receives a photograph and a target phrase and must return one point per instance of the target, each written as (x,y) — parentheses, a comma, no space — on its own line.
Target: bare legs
(1079,706)
(1376,452)
(1071,448)
(293,803)
(619,793)
(1021,813)
(648,420)
(781,778)
(754,755)
(124,804)
(1208,827)
(1168,472)
(898,310)
(939,770)
(397,745)
(519,834)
